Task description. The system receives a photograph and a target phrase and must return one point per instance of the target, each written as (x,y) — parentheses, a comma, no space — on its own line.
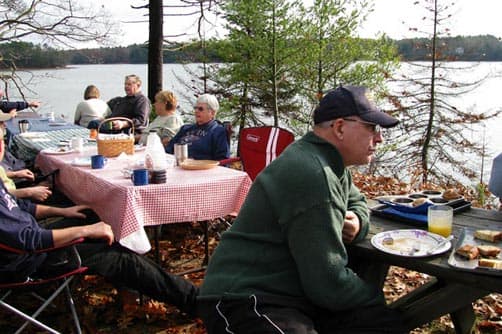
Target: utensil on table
(431,250)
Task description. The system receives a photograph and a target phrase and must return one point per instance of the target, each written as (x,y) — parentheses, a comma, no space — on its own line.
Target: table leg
(156,236)
(204,225)
(437,298)
(463,320)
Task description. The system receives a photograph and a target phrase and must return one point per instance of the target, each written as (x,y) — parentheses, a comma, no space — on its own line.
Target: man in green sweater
(283,266)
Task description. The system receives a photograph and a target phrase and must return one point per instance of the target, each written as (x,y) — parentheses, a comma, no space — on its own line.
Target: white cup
(440,219)
(50,116)
(77,144)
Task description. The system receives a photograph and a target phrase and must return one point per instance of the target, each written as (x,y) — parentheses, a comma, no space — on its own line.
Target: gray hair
(210,100)
(324,125)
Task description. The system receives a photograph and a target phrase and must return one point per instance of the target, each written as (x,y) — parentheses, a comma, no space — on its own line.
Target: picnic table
(42,134)
(451,290)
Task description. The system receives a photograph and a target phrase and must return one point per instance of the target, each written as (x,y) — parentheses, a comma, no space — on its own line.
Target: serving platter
(409,243)
(400,207)
(461,263)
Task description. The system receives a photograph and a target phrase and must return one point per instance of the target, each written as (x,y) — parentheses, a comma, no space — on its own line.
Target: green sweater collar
(330,152)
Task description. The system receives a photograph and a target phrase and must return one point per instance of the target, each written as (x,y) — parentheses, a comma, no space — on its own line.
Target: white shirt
(89,110)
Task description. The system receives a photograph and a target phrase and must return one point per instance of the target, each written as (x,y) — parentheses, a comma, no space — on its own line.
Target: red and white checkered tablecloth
(187,195)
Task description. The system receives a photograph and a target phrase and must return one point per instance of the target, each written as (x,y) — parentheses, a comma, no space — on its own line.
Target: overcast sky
(471,17)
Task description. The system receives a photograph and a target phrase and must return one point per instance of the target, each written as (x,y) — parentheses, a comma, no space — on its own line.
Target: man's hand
(13,113)
(39,193)
(100,230)
(118,125)
(23,174)
(351,227)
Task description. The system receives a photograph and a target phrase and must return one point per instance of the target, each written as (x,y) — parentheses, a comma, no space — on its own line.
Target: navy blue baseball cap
(351,101)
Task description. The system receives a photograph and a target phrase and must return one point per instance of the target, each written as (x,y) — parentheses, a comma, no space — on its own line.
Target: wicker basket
(112,147)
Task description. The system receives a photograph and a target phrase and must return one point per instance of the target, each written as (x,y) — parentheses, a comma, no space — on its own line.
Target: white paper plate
(33,134)
(81,162)
(138,148)
(57,150)
(191,164)
(405,239)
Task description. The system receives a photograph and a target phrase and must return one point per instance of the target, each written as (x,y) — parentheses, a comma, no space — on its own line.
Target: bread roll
(419,201)
(488,250)
(488,235)
(490,263)
(451,194)
(468,251)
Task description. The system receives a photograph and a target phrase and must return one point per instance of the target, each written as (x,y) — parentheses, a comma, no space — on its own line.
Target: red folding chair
(60,280)
(259,146)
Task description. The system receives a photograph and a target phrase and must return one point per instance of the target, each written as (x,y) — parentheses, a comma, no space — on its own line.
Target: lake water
(61,90)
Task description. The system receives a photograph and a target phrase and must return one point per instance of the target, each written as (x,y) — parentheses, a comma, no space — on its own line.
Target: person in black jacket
(7,106)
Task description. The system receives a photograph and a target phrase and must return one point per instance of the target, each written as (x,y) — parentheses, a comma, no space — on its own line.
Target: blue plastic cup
(139,177)
(98,161)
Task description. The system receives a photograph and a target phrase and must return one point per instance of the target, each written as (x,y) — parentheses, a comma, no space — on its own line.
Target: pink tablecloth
(186,196)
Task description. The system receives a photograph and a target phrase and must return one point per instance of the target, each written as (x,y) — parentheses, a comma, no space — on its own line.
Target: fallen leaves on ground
(104,309)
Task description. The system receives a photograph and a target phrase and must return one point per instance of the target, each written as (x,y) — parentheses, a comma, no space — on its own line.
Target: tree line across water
(29,55)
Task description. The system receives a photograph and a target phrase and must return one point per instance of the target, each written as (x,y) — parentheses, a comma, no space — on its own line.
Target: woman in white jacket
(92,108)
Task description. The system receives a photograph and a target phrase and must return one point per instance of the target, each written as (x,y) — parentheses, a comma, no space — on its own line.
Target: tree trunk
(155,59)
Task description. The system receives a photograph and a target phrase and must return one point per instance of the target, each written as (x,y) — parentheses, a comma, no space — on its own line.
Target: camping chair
(259,146)
(62,280)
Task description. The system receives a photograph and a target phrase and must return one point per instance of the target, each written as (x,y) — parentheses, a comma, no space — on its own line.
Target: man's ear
(338,128)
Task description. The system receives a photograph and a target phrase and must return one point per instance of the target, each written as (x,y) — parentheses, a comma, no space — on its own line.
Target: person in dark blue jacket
(19,229)
(7,106)
(206,139)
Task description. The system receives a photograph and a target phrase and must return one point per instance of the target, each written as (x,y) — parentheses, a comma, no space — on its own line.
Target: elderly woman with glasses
(207,138)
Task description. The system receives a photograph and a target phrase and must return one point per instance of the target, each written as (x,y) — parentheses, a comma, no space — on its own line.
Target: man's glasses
(198,108)
(375,128)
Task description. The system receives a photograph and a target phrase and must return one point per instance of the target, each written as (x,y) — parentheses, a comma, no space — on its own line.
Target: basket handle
(116,119)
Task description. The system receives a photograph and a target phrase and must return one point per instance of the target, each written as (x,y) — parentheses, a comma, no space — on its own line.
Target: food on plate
(488,250)
(488,235)
(490,263)
(451,194)
(468,251)
(387,241)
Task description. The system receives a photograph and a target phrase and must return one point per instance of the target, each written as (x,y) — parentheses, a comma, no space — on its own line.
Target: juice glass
(440,219)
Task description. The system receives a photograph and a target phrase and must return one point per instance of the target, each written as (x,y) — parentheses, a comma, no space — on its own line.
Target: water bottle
(155,155)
